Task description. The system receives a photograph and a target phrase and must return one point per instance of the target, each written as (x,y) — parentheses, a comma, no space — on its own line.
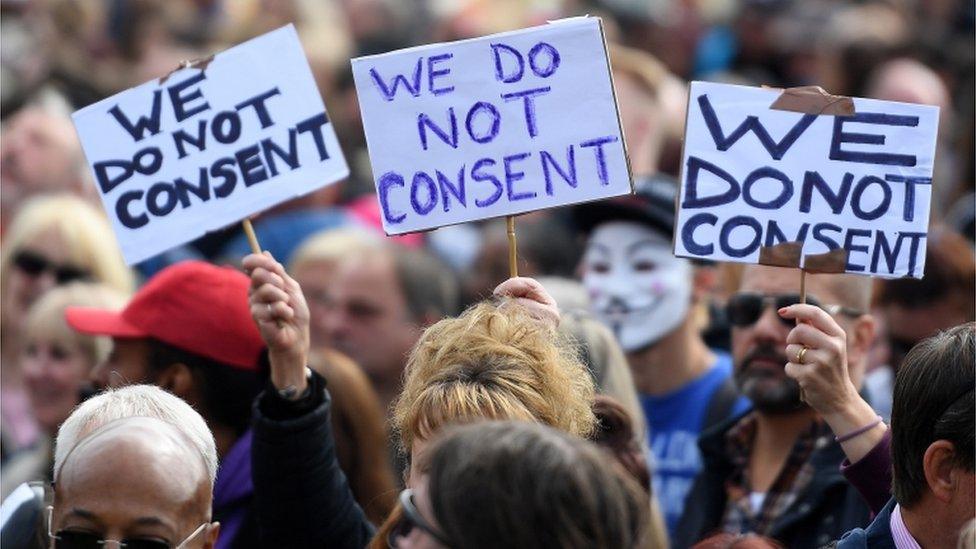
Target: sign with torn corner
(210,144)
(492,126)
(805,179)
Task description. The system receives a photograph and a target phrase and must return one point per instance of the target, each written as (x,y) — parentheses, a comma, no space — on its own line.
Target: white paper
(419,183)
(293,119)
(880,210)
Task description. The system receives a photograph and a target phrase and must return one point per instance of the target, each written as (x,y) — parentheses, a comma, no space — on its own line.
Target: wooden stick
(251,237)
(803,285)
(512,248)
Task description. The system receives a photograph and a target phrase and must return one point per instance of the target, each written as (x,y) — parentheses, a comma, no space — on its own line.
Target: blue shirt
(674,422)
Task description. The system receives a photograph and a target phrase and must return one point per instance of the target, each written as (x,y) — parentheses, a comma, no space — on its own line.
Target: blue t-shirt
(674,421)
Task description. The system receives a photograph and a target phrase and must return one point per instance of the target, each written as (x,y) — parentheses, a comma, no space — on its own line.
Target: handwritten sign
(492,126)
(209,145)
(754,177)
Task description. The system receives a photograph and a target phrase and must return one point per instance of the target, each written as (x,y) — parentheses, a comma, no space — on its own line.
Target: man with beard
(647,296)
(774,471)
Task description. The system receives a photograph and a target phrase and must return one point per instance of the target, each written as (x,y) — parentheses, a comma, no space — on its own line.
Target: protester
(56,362)
(314,265)
(646,296)
(380,301)
(53,240)
(932,447)
(499,345)
(27,527)
(514,484)
(41,154)
(188,331)
(774,471)
(139,482)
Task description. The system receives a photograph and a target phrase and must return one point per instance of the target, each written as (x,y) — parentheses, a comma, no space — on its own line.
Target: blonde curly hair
(494,361)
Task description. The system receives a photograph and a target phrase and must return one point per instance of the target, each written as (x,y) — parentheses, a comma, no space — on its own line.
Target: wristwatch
(291,392)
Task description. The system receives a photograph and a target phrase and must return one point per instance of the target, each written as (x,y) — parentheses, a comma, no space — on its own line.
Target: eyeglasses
(411,518)
(75,539)
(35,264)
(744,309)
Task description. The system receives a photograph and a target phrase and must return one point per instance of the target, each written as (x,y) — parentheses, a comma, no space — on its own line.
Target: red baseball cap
(194,306)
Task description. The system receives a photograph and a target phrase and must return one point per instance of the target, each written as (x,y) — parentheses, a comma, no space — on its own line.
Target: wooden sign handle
(252,238)
(512,249)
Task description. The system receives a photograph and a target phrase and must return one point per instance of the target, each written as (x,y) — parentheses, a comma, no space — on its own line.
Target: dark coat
(875,536)
(826,508)
(302,498)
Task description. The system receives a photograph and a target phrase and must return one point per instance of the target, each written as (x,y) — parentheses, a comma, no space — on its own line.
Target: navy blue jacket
(302,498)
(876,536)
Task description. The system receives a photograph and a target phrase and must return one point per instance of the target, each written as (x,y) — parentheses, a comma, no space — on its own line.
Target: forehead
(783,280)
(622,234)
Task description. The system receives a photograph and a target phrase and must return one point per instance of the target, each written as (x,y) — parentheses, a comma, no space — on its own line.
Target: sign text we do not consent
(492,126)
(754,177)
(209,145)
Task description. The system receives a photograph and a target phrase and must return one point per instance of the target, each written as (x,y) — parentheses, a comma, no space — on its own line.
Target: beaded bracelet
(861,431)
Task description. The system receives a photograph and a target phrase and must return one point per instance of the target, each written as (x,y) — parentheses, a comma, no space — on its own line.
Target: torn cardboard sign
(210,144)
(755,176)
(492,126)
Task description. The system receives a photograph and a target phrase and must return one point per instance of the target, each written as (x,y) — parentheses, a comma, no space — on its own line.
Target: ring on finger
(800,354)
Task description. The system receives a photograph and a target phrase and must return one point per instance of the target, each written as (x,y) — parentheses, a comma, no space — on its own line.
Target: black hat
(651,204)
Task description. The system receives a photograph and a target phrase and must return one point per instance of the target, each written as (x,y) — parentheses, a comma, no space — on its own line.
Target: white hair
(135,401)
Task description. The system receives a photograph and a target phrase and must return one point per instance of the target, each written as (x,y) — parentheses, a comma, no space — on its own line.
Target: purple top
(233,490)
(871,475)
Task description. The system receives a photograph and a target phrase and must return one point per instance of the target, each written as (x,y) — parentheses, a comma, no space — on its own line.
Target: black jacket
(302,498)
(875,536)
(827,508)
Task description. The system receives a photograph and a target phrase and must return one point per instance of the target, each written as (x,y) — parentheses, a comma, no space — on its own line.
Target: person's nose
(99,375)
(769,327)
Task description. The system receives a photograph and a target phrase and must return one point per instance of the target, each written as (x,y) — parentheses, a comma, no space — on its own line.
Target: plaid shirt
(790,482)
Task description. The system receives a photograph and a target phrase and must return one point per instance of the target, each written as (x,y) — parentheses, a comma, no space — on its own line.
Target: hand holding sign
(528,293)
(281,313)
(822,373)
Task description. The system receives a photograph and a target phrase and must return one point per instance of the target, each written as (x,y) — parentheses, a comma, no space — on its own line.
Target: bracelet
(861,431)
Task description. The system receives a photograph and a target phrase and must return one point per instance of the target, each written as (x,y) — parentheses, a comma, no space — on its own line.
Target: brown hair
(512,484)
(492,362)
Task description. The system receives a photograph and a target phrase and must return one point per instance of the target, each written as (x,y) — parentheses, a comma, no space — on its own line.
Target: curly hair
(494,361)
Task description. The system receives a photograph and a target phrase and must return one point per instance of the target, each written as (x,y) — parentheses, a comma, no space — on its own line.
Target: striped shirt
(899,533)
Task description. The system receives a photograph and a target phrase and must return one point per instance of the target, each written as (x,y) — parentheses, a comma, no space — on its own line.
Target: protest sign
(492,126)
(208,145)
(856,187)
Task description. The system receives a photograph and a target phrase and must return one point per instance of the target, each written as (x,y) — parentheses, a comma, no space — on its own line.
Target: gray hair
(135,401)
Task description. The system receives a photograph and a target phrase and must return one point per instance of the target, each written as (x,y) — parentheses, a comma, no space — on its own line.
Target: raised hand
(279,309)
(528,293)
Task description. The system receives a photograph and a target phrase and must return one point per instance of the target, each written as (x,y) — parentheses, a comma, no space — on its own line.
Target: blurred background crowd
(370,299)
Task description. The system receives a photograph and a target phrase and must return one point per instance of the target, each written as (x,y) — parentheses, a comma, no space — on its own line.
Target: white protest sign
(209,145)
(492,126)
(754,177)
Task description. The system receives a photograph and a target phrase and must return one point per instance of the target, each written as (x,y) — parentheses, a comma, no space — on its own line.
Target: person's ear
(177,378)
(860,337)
(938,464)
(213,531)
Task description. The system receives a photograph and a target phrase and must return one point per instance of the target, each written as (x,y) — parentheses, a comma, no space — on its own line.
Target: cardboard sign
(855,187)
(492,126)
(207,146)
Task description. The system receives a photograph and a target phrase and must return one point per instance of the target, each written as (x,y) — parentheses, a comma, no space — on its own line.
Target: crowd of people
(348,389)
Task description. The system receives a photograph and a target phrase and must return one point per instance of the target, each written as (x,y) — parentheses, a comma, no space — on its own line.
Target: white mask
(636,285)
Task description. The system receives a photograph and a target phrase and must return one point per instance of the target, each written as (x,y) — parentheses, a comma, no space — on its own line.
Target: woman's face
(54,372)
(39,265)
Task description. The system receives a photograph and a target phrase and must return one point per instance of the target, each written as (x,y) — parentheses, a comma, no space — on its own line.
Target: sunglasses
(411,518)
(744,309)
(34,264)
(77,539)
